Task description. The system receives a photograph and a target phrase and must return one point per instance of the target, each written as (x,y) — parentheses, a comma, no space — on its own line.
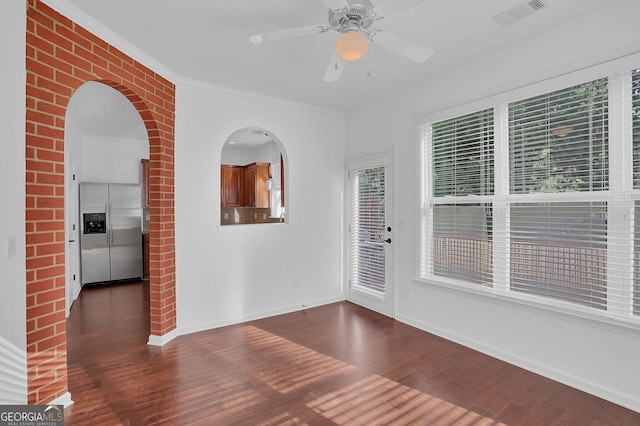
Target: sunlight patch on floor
(300,365)
(376,400)
(284,419)
(372,400)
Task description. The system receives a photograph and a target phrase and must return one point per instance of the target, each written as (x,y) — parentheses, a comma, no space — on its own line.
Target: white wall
(112,160)
(13,361)
(233,273)
(593,356)
(244,156)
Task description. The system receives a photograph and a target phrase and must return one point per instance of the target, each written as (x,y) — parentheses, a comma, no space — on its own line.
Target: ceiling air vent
(519,11)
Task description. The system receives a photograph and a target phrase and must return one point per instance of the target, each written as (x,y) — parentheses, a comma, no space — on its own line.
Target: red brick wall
(60,57)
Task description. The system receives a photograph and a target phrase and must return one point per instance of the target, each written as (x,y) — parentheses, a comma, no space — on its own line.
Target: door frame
(72,233)
(384,157)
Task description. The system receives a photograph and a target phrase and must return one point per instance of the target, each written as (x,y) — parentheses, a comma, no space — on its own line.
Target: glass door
(371,233)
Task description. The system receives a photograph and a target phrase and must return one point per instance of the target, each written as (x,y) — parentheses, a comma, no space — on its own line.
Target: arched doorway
(55,68)
(105,141)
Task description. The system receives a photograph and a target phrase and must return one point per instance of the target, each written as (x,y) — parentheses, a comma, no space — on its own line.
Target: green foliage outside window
(558,142)
(463,149)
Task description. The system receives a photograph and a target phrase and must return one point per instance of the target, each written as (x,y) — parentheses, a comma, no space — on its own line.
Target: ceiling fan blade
(336,4)
(402,46)
(390,7)
(290,33)
(334,70)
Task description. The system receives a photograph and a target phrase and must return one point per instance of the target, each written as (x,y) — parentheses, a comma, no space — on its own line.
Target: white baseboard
(529,365)
(259,315)
(63,400)
(164,339)
(76,293)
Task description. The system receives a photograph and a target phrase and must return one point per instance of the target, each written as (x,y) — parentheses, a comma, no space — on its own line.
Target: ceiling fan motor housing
(354,18)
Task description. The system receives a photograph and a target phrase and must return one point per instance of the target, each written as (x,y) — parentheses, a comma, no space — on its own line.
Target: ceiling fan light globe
(351,46)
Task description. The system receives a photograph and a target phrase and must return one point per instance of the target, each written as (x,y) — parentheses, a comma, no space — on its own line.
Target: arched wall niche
(254,178)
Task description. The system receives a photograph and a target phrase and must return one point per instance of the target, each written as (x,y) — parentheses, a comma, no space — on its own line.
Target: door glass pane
(368,229)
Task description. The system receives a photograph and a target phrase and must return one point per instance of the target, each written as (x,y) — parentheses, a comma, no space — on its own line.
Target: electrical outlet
(11,245)
(264,216)
(226,216)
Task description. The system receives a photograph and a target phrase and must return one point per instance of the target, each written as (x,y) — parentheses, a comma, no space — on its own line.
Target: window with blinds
(462,244)
(368,229)
(462,155)
(558,141)
(560,223)
(635,130)
(635,125)
(461,150)
(559,250)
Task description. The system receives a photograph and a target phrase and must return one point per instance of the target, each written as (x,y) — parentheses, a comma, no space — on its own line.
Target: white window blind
(274,170)
(462,155)
(558,141)
(635,126)
(635,108)
(559,222)
(462,244)
(559,250)
(368,229)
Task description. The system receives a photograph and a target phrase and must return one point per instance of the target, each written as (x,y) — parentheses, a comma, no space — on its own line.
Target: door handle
(388,241)
(72,241)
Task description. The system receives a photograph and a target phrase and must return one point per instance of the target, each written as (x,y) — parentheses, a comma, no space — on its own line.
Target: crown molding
(76,15)
(260,96)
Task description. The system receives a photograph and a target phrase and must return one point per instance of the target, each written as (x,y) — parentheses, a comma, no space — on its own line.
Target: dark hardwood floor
(336,364)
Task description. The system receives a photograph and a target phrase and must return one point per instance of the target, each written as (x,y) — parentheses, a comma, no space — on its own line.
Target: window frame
(620,194)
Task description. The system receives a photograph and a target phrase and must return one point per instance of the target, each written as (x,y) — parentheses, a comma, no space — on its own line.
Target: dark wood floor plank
(335,364)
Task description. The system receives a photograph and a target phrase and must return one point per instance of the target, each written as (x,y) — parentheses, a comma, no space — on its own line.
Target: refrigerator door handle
(109,225)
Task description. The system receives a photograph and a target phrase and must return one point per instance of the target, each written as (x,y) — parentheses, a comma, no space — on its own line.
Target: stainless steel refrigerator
(111,236)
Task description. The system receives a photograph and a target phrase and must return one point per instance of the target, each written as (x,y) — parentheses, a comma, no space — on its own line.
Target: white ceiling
(207,40)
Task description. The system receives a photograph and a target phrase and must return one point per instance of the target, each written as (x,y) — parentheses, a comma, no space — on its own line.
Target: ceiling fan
(354,23)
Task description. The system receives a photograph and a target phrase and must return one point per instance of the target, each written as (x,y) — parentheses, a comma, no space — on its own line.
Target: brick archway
(60,57)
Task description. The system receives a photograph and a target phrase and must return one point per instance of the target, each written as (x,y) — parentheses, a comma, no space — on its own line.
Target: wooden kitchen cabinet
(256,193)
(250,188)
(232,186)
(145,182)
